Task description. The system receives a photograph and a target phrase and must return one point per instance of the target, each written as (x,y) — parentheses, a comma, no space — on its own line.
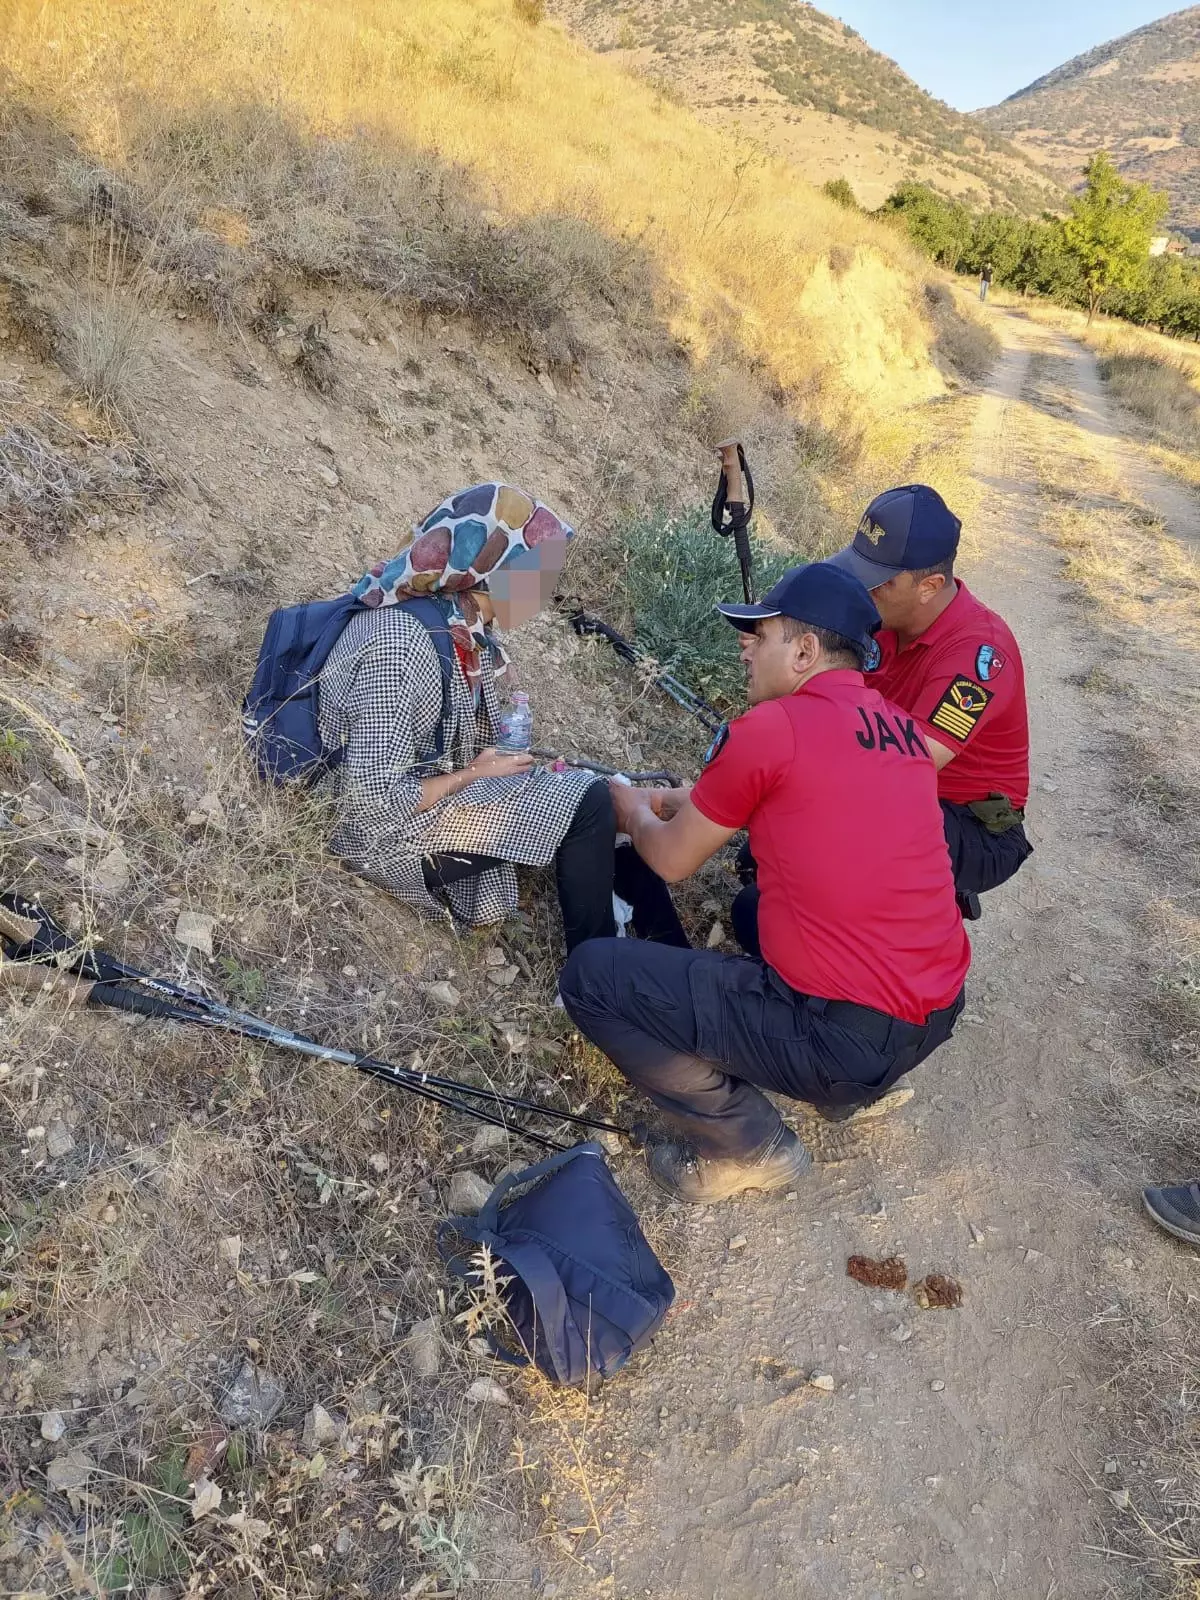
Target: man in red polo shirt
(956,668)
(861,953)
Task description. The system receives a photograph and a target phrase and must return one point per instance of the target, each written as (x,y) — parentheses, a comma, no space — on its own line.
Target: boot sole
(883,1107)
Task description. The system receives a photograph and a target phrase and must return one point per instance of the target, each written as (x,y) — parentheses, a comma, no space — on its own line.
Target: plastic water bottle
(516,727)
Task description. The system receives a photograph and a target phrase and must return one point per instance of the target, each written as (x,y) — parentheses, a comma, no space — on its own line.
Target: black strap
(734,519)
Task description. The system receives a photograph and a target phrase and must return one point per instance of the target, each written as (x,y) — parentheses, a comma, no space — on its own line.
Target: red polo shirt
(857,901)
(964,682)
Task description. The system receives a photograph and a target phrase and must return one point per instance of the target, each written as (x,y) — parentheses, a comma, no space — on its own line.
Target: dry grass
(743,251)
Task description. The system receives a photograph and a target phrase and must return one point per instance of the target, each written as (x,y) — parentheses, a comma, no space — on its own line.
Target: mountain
(809,89)
(1138,96)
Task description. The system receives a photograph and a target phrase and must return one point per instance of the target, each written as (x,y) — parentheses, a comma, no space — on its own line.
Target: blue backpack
(586,1289)
(279,714)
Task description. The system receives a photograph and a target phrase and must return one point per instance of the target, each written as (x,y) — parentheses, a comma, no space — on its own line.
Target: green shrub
(673,571)
(839,190)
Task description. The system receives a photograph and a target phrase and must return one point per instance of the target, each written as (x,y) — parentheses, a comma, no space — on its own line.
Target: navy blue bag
(279,714)
(587,1291)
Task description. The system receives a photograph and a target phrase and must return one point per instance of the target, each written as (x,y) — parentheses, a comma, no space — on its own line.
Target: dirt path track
(962,1453)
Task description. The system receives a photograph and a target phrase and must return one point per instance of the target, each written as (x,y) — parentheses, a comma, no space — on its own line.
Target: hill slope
(812,90)
(1138,96)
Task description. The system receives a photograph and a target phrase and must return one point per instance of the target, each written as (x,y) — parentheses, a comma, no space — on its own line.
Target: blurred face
(527,584)
(775,665)
(906,604)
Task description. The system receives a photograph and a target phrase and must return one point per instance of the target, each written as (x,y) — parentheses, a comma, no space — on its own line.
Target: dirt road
(962,1453)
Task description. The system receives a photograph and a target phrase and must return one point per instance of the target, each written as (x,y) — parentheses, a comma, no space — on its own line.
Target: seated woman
(427,805)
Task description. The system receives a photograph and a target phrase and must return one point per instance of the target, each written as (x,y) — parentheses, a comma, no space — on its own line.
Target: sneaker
(1177,1210)
(871,1110)
(675,1167)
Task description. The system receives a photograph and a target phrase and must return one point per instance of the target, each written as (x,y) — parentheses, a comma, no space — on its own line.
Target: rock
(344,1542)
(112,872)
(320,1428)
(977,1234)
(328,477)
(489,1139)
(1076,977)
(738,1242)
(503,977)
(716,936)
(194,930)
(937,1386)
(1110,1466)
(917,1570)
(547,383)
(977,1509)
(611,1143)
(444,995)
(209,812)
(901,1333)
(53,1426)
(1119,1498)
(424,1347)
(1032,1254)
(824,1381)
(69,1474)
(493,956)
(515,1038)
(379,1163)
(486,1392)
(59,1139)
(230,1249)
(469,1193)
(68,764)
(252,1399)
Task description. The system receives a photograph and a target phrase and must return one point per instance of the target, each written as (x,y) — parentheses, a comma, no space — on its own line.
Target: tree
(942,228)
(839,191)
(1109,228)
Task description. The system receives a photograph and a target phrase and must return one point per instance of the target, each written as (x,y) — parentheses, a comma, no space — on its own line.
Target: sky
(974,55)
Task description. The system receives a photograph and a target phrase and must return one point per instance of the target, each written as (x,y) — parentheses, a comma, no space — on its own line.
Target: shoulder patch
(960,708)
(989,663)
(873,658)
(720,740)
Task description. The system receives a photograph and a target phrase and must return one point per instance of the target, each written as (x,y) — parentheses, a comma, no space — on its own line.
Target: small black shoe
(969,907)
(685,1175)
(1177,1210)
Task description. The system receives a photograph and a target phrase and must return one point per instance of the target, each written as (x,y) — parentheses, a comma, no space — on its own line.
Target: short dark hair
(834,645)
(945,568)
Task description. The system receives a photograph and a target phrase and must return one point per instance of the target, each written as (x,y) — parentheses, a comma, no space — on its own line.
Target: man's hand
(627,801)
(666,802)
(493,763)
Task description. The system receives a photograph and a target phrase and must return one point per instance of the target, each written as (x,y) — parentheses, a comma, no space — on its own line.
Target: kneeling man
(863,953)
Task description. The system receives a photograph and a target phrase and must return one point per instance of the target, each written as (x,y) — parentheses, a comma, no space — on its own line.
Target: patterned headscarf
(471,534)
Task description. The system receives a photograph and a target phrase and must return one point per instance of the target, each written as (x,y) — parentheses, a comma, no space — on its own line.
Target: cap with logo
(820,594)
(902,530)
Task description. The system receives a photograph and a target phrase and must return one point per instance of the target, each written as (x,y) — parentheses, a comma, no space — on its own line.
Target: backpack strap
(536,1270)
(432,618)
(489,1217)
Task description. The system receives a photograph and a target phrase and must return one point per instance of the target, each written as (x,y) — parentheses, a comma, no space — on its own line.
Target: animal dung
(890,1273)
(938,1293)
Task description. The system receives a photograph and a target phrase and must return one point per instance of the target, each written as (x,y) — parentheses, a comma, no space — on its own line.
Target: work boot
(870,1110)
(969,907)
(1177,1210)
(700,1181)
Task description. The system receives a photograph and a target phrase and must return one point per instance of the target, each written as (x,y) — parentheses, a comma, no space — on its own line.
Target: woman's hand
(493,763)
(666,802)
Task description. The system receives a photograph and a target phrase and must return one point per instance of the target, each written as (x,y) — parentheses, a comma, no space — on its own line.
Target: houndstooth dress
(381,701)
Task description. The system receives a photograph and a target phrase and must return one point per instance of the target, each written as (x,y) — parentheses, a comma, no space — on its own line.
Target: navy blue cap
(902,530)
(820,594)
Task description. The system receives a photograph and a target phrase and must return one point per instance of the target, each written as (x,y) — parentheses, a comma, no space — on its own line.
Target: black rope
(585,623)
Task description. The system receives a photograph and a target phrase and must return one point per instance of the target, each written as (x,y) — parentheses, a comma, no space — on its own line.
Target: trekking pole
(53,950)
(733,507)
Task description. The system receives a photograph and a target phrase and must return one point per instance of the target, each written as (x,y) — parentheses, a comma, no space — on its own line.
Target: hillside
(1138,96)
(810,89)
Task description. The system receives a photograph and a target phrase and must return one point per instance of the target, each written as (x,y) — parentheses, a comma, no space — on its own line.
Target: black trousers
(703,1034)
(981,860)
(588,868)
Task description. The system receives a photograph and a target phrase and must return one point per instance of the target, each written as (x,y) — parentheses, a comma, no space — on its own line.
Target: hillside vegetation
(274,278)
(811,89)
(1138,96)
